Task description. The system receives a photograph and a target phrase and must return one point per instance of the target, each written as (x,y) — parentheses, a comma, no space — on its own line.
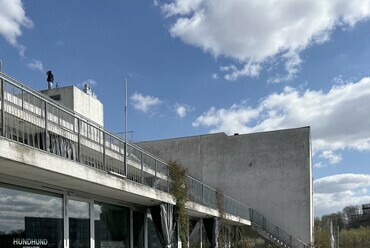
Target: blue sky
(202,66)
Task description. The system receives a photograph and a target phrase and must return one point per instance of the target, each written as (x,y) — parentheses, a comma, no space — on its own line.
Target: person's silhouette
(50,79)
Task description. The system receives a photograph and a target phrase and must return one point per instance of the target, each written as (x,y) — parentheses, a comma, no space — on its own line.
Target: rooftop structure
(83,102)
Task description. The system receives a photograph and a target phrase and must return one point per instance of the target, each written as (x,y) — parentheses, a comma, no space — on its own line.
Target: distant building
(366,209)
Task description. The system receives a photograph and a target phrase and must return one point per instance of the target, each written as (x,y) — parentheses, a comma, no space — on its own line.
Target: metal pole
(125,161)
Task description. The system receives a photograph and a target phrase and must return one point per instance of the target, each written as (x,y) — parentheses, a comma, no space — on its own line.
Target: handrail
(276,233)
(24,88)
(141,169)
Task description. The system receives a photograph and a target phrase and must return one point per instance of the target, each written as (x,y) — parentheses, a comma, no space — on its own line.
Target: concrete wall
(270,172)
(78,101)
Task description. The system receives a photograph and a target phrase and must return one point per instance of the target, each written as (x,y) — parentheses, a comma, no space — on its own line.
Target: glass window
(205,241)
(138,225)
(194,233)
(30,218)
(112,226)
(153,239)
(79,224)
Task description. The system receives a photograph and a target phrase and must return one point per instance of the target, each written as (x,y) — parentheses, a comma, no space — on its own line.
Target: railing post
(290,241)
(2,107)
(104,159)
(251,215)
(46,148)
(79,140)
(155,178)
(168,180)
(142,167)
(125,159)
(203,193)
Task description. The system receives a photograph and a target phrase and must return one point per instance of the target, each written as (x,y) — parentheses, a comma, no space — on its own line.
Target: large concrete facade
(270,171)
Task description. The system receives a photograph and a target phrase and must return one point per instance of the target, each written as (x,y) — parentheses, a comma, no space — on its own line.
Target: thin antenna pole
(125,128)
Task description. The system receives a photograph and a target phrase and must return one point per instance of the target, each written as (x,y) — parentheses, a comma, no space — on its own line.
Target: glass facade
(112,226)
(30,218)
(153,239)
(138,228)
(79,224)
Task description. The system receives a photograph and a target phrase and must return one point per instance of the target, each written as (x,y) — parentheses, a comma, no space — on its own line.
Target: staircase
(272,232)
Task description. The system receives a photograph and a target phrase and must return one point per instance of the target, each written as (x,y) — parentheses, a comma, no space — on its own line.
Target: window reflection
(112,226)
(30,218)
(138,225)
(153,239)
(79,224)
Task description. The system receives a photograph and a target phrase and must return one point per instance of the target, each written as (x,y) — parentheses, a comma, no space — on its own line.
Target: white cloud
(144,103)
(182,110)
(320,165)
(229,120)
(341,183)
(338,118)
(12,19)
(36,65)
(249,69)
(331,156)
(215,76)
(333,193)
(254,31)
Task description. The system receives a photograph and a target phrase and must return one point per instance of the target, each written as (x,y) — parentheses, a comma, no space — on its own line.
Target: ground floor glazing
(35,218)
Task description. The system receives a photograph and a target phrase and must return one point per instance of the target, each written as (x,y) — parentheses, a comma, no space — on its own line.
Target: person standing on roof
(50,79)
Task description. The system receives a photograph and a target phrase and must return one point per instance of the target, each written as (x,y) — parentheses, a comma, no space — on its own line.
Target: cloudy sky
(204,66)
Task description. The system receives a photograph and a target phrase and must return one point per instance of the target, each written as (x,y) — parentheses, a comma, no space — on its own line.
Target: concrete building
(269,171)
(82,102)
(64,183)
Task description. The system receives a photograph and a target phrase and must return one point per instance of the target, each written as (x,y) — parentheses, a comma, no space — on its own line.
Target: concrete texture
(269,172)
(78,101)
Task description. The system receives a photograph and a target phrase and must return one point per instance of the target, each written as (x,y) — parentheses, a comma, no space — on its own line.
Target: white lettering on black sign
(30,243)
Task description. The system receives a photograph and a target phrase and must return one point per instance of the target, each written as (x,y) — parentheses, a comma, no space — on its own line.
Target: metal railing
(274,232)
(33,119)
